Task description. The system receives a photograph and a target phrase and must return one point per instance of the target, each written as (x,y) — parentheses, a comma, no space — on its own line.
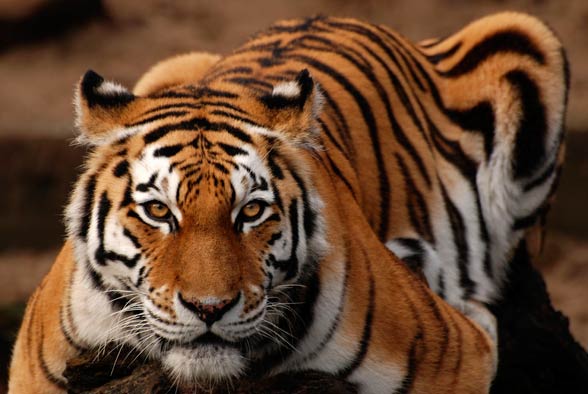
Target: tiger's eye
(157,210)
(252,209)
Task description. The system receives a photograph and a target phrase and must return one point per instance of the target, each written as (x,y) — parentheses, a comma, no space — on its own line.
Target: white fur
(287,89)
(377,376)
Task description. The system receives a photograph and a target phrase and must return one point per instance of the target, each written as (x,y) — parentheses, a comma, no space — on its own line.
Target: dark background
(46,45)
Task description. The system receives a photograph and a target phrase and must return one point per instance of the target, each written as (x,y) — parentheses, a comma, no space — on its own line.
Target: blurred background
(46,45)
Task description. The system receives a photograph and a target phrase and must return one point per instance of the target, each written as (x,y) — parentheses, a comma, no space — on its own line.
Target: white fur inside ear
(109,88)
(287,89)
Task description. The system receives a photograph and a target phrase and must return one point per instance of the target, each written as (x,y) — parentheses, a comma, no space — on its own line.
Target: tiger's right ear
(101,109)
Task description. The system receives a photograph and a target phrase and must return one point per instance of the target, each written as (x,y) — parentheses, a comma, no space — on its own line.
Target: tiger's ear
(101,108)
(294,109)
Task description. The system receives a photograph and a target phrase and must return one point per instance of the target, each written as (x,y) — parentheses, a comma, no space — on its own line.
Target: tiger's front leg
(43,345)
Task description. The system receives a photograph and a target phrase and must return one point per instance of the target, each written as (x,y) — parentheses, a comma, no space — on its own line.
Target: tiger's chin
(203,364)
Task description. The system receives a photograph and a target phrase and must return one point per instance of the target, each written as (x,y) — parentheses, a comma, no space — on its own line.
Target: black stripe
(484,236)
(179,105)
(451,151)
(308,213)
(275,236)
(458,228)
(221,168)
(121,169)
(198,124)
(66,335)
(277,197)
(275,169)
(168,151)
(341,123)
(398,87)
(340,175)
(414,261)
(140,277)
(411,367)
(478,118)
(235,132)
(103,209)
(130,262)
(292,268)
(541,178)
(232,150)
(415,202)
(170,114)
(57,381)
(443,330)
(223,104)
(128,195)
(307,24)
(508,41)
(233,70)
(440,56)
(161,131)
(251,83)
(367,326)
(523,222)
(197,92)
(566,74)
(89,191)
(529,150)
(235,117)
(411,63)
(441,284)
(336,321)
(150,184)
(325,129)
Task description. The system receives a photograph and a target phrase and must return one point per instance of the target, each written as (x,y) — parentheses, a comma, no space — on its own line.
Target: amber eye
(252,210)
(157,210)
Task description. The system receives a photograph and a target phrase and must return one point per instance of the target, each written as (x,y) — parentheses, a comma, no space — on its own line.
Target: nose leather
(209,312)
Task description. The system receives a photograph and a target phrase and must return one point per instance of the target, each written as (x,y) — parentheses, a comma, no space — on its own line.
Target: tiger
(329,197)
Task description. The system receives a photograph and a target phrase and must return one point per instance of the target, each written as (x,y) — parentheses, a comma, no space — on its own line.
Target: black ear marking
(297,98)
(306,84)
(95,92)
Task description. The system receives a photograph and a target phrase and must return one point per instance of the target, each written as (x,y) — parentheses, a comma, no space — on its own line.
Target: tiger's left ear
(101,109)
(294,109)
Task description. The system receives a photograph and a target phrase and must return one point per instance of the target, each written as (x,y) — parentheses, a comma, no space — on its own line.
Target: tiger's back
(452,147)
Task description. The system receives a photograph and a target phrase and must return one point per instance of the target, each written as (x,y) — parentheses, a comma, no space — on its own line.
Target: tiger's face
(198,227)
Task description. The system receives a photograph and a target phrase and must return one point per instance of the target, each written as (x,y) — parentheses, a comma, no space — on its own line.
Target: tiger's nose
(211,309)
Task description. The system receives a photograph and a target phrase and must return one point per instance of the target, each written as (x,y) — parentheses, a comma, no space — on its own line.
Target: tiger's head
(197,218)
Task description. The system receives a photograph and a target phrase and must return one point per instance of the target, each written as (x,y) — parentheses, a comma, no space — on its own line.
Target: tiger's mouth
(209,339)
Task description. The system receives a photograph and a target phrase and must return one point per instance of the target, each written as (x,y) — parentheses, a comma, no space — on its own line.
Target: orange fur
(337,141)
